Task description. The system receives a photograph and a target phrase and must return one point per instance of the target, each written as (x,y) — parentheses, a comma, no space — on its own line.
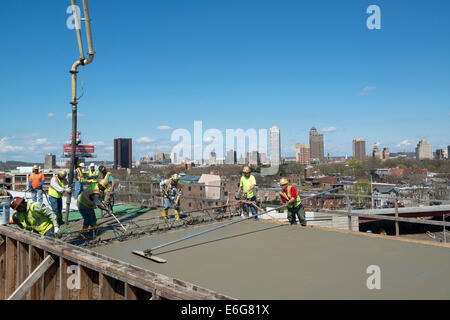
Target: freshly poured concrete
(256,260)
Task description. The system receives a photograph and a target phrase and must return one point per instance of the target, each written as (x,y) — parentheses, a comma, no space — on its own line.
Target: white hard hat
(92,165)
(82,164)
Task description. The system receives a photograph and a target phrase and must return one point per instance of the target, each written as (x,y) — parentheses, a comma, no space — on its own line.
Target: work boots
(164,214)
(177,215)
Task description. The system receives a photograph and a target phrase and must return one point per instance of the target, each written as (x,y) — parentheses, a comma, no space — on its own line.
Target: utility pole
(82,61)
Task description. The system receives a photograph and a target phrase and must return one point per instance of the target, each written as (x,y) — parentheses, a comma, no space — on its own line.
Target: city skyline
(320,63)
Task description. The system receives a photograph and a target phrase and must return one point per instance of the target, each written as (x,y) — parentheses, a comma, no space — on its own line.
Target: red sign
(79,149)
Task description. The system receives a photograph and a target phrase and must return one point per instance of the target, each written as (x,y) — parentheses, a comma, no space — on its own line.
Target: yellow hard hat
(283,181)
(246,169)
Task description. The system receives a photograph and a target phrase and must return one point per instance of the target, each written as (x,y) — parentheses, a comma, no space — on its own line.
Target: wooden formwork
(33,267)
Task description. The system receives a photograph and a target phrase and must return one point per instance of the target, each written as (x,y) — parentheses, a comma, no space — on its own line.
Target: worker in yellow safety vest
(289,195)
(92,174)
(172,193)
(58,185)
(79,180)
(247,186)
(34,217)
(88,200)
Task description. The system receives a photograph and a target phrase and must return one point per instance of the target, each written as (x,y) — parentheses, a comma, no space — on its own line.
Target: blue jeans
(168,202)
(36,195)
(89,218)
(78,189)
(252,208)
(50,233)
(56,204)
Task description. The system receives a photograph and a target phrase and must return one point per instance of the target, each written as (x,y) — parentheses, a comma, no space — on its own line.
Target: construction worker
(171,191)
(58,185)
(92,174)
(247,187)
(5,193)
(105,175)
(35,182)
(79,180)
(289,195)
(87,201)
(34,217)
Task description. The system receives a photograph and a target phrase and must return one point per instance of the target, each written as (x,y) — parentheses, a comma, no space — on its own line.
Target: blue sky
(161,65)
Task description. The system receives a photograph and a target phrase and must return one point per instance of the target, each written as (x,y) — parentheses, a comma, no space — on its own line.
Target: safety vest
(92,176)
(52,192)
(168,186)
(108,186)
(4,193)
(35,179)
(85,197)
(80,176)
(288,197)
(34,220)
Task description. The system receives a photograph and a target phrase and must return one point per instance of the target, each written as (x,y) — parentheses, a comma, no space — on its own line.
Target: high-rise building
(386,153)
(241,159)
(49,161)
(173,158)
(254,158)
(263,157)
(231,157)
(302,153)
(123,153)
(441,154)
(359,149)
(424,150)
(316,145)
(275,146)
(376,153)
(212,158)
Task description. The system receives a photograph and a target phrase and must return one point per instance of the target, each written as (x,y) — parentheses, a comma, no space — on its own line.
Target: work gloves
(68,190)
(56,228)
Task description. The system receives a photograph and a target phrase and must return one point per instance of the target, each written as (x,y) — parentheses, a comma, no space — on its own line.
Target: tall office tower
(49,161)
(302,153)
(376,153)
(386,153)
(359,149)
(254,158)
(212,158)
(231,157)
(173,158)
(263,157)
(424,150)
(275,146)
(316,145)
(123,153)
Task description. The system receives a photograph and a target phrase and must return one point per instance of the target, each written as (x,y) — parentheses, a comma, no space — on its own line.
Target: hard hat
(246,169)
(283,181)
(62,173)
(16,202)
(101,168)
(175,176)
(92,165)
(35,167)
(81,164)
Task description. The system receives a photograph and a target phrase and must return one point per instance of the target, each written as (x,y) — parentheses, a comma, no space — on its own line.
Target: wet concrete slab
(257,260)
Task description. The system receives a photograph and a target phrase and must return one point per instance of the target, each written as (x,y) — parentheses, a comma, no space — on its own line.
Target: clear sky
(161,65)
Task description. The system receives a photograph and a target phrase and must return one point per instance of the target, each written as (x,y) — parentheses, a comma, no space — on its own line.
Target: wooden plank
(23,270)
(11,263)
(2,267)
(130,292)
(86,283)
(35,257)
(50,279)
(63,287)
(106,287)
(20,292)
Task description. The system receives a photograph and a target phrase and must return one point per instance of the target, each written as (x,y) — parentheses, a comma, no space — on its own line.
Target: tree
(355,164)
